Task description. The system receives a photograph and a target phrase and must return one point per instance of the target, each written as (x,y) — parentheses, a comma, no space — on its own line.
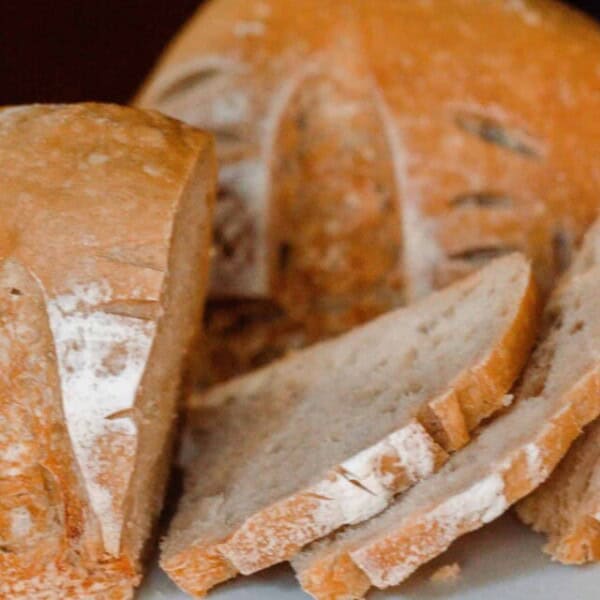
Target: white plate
(502,561)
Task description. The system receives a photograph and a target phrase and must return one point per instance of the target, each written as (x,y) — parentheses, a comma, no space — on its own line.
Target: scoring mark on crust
(126,413)
(481,254)
(482,199)
(146,310)
(187,82)
(494,132)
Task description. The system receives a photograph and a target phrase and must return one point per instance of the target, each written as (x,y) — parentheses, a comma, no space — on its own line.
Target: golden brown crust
(567,506)
(357,176)
(198,570)
(478,394)
(89,202)
(581,545)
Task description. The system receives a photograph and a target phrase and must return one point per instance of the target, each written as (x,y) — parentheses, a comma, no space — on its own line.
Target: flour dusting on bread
(101,359)
(481,503)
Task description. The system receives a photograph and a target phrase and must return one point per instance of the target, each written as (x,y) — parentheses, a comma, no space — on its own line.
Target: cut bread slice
(567,506)
(559,394)
(328,436)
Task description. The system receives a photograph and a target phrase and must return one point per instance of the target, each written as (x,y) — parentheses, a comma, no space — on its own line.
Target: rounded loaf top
(372,151)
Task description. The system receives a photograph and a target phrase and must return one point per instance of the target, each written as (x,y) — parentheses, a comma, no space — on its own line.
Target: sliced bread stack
(558,395)
(327,437)
(567,506)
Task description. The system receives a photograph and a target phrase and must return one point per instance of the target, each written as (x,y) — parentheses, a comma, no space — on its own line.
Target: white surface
(502,561)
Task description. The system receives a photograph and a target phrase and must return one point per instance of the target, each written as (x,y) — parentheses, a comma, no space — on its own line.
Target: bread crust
(362,175)
(89,201)
(567,507)
(371,478)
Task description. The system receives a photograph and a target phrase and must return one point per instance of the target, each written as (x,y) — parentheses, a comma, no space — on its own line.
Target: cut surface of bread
(327,436)
(372,151)
(567,506)
(105,219)
(558,395)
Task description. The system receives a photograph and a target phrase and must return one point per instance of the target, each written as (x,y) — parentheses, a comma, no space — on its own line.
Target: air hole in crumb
(410,357)
(449,312)
(276,448)
(414,387)
(554,318)
(16,292)
(426,327)
(437,340)
(577,327)
(514,278)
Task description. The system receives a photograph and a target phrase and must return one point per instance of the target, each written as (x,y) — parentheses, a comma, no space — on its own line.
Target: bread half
(328,436)
(105,219)
(559,394)
(567,506)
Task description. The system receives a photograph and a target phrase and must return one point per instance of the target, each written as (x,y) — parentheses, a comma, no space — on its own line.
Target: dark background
(71,50)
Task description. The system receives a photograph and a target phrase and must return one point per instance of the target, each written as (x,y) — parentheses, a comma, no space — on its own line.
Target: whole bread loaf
(329,435)
(558,395)
(372,151)
(105,219)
